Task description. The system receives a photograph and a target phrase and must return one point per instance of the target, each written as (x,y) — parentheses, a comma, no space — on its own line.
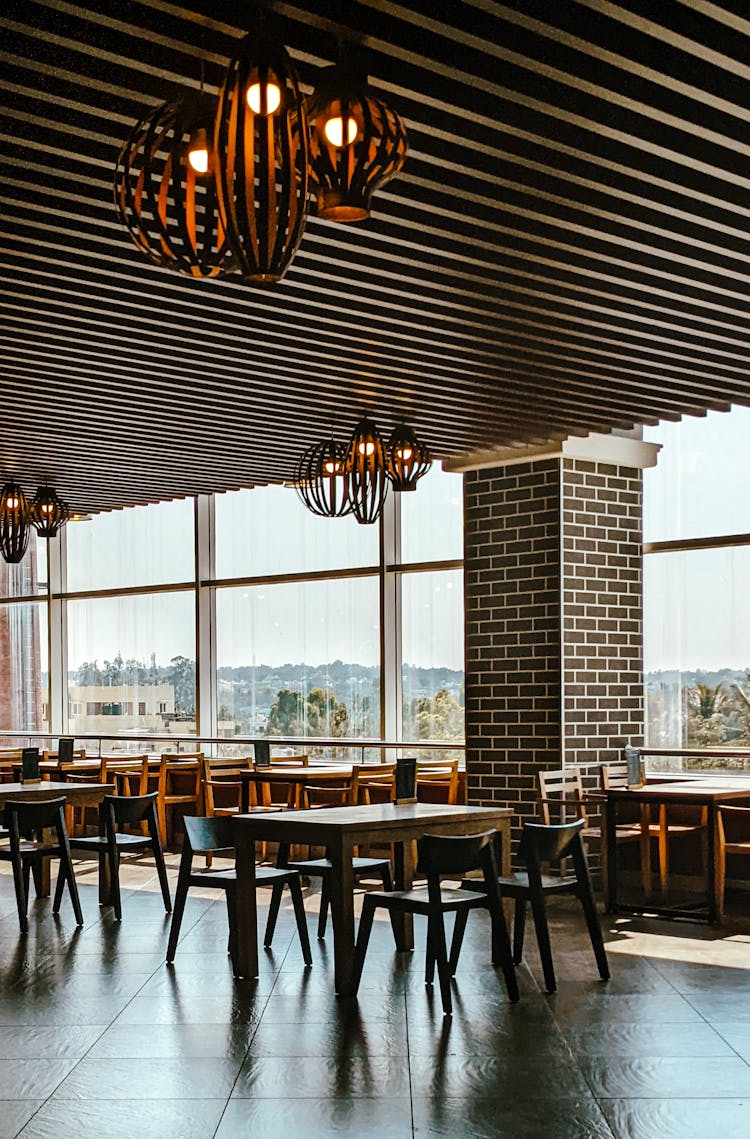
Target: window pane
(696,658)
(269,531)
(433,655)
(299,659)
(693,490)
(24,697)
(27,578)
(432,518)
(131,664)
(145,545)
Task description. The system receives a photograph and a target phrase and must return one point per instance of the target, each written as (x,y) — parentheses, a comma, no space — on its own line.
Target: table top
(374,817)
(691,791)
(50,789)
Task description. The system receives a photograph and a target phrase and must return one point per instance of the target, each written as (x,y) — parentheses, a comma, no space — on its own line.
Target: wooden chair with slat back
(733,824)
(222,785)
(91,771)
(561,797)
(10,757)
(180,785)
(267,793)
(437,781)
(345,793)
(616,775)
(375,782)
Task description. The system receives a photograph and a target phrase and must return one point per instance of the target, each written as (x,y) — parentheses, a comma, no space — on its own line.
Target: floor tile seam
(739,1055)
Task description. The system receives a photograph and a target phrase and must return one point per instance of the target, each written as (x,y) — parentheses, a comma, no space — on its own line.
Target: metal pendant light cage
(407,459)
(357,144)
(320,480)
(48,512)
(169,208)
(262,148)
(15,523)
(367,484)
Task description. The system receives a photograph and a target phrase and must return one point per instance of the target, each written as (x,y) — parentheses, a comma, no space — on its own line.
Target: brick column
(552,579)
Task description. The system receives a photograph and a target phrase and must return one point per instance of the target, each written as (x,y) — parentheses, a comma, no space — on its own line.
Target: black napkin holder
(65,750)
(30,765)
(262,753)
(406,779)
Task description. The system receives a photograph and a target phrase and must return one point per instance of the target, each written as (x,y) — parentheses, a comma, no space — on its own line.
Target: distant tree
(88,674)
(181,675)
(438,717)
(286,716)
(706,726)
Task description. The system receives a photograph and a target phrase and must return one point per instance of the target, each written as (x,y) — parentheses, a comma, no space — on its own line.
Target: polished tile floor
(99,1038)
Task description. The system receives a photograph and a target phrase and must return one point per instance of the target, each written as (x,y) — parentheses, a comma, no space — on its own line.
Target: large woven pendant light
(48,512)
(357,143)
(165,188)
(262,149)
(15,523)
(367,484)
(320,480)
(407,459)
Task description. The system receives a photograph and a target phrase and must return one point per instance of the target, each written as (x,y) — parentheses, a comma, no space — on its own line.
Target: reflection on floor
(99,1038)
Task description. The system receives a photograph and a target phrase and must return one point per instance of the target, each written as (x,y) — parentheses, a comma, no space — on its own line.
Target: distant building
(110,708)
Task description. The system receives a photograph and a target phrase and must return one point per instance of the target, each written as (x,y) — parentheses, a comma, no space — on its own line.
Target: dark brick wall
(552,580)
(602,602)
(512,605)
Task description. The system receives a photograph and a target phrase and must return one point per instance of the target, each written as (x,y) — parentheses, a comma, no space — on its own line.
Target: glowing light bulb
(334,130)
(330,467)
(198,159)
(405,453)
(46,508)
(12,503)
(367,449)
(264,98)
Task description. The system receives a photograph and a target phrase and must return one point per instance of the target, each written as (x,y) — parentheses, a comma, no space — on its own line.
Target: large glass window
(432,519)
(299,659)
(131,664)
(269,531)
(147,545)
(24,696)
(433,656)
(697,600)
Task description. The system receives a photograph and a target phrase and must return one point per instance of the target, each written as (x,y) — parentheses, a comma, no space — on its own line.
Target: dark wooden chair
(115,812)
(439,856)
(26,824)
(346,793)
(215,836)
(544,845)
(180,785)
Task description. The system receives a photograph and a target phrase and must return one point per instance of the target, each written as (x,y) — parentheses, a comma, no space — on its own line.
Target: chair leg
(161,869)
(295,889)
(363,939)
(663,849)
(436,937)
(59,887)
(594,927)
(325,902)
(66,862)
(21,893)
(183,884)
(519,929)
(539,912)
(462,916)
(273,913)
(502,953)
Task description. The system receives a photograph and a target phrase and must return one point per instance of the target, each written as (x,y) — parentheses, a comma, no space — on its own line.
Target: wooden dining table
(340,830)
(707,792)
(77,795)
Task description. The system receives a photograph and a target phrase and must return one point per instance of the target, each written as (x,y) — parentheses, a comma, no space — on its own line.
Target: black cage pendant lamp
(320,480)
(165,188)
(407,459)
(48,512)
(357,143)
(262,149)
(15,523)
(367,484)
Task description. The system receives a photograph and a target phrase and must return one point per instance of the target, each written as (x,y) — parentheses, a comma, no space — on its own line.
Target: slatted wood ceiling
(566,249)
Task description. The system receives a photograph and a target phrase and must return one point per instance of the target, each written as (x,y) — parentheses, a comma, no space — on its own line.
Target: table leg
(403,924)
(105,881)
(610,815)
(247,914)
(713,884)
(342,913)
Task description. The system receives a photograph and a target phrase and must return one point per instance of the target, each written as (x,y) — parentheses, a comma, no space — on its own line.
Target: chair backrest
(374,782)
(549,843)
(561,792)
(616,775)
(128,809)
(222,779)
(137,770)
(438,781)
(32,817)
(342,793)
(290,760)
(177,764)
(78,754)
(208,835)
(453,854)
